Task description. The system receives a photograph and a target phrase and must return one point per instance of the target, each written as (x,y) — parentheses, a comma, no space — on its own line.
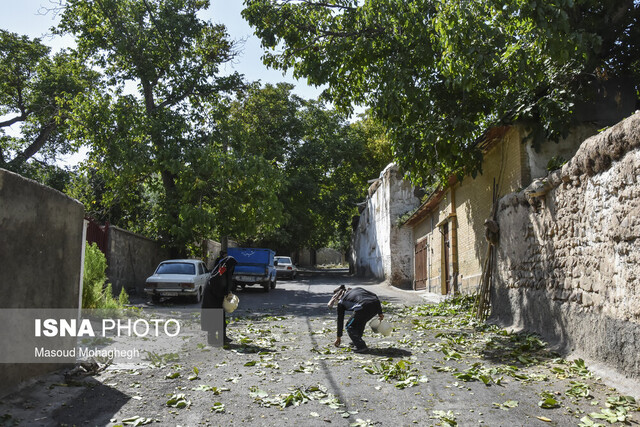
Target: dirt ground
(438,367)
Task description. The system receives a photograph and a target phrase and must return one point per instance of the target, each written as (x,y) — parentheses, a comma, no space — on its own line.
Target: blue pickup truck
(255,267)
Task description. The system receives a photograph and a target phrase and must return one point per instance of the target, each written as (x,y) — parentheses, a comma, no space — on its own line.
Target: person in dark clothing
(218,286)
(364,304)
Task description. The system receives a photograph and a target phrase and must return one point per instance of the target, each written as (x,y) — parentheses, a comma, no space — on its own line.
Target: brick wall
(473,199)
(511,162)
(502,166)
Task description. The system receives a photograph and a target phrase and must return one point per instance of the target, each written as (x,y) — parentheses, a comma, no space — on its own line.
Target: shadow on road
(89,410)
(388,352)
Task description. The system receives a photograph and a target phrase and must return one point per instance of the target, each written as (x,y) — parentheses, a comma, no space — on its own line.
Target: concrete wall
(536,160)
(41,248)
(568,262)
(131,258)
(212,250)
(381,248)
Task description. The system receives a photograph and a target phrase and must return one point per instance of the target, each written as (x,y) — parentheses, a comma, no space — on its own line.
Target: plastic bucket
(380,326)
(384,328)
(375,322)
(230,303)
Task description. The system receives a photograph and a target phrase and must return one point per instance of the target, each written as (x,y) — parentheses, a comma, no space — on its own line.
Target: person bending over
(364,304)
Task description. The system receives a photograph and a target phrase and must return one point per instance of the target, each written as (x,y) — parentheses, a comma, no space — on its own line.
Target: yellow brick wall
(503,163)
(473,198)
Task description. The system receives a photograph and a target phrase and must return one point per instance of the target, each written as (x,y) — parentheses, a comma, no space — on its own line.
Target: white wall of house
(538,158)
(381,248)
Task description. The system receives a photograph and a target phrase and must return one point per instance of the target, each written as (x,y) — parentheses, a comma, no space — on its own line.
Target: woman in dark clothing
(219,285)
(364,304)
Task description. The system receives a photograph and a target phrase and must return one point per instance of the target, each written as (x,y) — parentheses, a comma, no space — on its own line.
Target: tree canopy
(439,73)
(147,137)
(323,162)
(37,90)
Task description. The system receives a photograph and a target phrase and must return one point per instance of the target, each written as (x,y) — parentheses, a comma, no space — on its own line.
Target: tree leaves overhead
(36,92)
(322,163)
(173,58)
(439,73)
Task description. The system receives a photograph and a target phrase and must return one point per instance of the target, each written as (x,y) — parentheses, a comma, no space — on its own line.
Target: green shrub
(123,298)
(96,292)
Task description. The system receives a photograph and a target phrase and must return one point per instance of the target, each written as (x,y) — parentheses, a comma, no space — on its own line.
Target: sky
(29,17)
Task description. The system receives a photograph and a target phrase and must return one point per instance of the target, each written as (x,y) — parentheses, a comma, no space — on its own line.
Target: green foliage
(320,163)
(123,297)
(438,74)
(157,143)
(556,162)
(95,294)
(447,418)
(37,91)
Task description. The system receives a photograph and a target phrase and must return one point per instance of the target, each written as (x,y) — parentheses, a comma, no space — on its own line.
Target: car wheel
(266,287)
(273,284)
(198,296)
(155,299)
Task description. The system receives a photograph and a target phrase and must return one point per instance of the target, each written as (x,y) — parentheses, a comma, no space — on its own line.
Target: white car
(286,267)
(176,278)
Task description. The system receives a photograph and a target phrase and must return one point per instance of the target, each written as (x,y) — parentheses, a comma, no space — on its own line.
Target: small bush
(96,292)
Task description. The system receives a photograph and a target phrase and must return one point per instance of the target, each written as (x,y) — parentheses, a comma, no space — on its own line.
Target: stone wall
(381,248)
(568,256)
(41,247)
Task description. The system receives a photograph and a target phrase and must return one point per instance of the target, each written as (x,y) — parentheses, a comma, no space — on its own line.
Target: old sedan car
(285,267)
(176,278)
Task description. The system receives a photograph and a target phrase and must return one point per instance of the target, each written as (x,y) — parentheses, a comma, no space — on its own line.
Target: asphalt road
(282,369)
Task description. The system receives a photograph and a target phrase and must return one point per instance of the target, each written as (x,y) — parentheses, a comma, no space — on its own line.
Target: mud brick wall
(569,267)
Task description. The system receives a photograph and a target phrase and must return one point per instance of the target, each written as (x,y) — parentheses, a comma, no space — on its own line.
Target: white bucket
(230,303)
(380,326)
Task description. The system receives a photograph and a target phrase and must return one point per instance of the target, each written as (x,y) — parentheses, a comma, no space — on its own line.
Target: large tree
(37,90)
(438,73)
(322,162)
(152,131)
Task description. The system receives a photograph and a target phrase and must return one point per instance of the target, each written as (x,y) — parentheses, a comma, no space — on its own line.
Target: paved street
(437,368)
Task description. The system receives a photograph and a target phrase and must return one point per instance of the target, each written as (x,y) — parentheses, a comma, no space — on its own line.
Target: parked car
(178,277)
(256,266)
(286,267)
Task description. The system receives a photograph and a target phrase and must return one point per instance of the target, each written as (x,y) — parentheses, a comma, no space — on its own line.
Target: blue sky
(28,17)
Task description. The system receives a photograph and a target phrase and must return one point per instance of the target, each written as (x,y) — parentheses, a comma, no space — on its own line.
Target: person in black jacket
(364,304)
(218,286)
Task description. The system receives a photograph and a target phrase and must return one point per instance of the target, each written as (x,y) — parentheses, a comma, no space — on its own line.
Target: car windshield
(176,268)
(283,260)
